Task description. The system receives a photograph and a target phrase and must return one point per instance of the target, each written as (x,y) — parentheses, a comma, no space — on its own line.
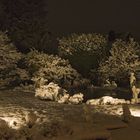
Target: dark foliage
(84,51)
(26,23)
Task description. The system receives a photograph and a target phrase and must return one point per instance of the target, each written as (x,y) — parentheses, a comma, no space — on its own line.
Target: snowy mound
(107,100)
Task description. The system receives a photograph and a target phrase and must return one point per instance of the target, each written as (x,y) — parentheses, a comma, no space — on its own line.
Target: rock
(49,92)
(106,100)
(76,98)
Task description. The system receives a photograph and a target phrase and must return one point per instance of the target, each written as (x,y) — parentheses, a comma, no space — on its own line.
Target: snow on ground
(105,121)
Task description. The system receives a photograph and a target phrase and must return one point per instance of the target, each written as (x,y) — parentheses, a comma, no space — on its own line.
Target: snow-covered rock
(107,100)
(76,98)
(49,92)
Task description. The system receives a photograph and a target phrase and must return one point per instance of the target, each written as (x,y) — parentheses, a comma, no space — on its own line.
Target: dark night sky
(67,16)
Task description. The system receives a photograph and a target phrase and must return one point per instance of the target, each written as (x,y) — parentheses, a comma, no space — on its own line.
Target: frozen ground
(14,106)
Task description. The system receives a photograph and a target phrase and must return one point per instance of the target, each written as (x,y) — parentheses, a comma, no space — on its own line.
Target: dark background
(66,16)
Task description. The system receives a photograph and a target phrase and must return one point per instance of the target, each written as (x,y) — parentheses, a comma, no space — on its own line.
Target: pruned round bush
(124,58)
(45,68)
(84,51)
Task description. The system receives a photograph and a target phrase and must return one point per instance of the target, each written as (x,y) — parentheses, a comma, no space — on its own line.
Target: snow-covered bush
(54,92)
(45,68)
(50,92)
(124,58)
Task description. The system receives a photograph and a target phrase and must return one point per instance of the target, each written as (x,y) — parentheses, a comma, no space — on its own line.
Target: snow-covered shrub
(50,92)
(124,58)
(54,92)
(45,68)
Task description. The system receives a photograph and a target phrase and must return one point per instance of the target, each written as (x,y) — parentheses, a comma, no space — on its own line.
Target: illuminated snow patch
(13,122)
(135,112)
